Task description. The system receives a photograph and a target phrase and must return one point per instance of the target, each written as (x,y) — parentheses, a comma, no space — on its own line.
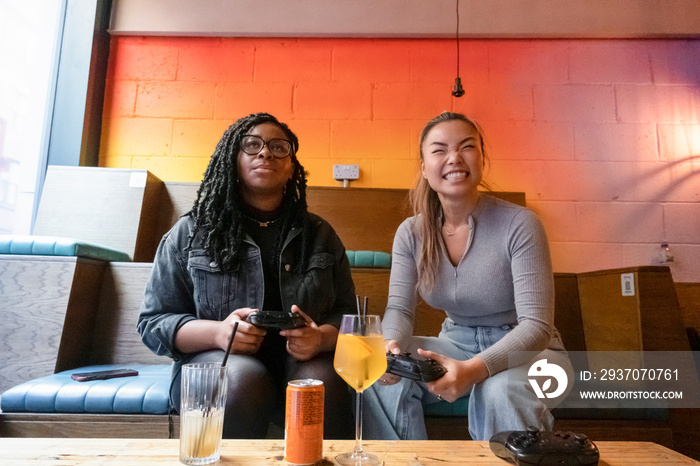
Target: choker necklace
(450,233)
(262,224)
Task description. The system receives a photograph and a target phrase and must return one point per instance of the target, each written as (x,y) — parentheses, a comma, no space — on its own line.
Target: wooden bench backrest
(116,340)
(39,298)
(567,311)
(107,206)
(644,317)
(364,218)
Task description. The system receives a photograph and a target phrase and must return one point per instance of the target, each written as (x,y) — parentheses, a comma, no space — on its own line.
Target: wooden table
(72,451)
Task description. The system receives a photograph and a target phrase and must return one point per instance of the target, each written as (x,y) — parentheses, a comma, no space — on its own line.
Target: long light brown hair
(428,210)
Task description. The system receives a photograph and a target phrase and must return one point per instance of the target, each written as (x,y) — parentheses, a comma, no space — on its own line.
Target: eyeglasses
(253,145)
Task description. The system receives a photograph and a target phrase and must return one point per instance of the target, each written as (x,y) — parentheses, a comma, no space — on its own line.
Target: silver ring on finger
(439,397)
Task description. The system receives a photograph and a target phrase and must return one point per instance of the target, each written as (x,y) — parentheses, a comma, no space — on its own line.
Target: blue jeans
(395,412)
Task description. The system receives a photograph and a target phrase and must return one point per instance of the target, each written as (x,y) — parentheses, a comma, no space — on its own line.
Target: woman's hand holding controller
(391,346)
(305,342)
(461,376)
(248,337)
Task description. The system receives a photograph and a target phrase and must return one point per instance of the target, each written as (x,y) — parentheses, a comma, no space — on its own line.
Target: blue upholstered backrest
(369,259)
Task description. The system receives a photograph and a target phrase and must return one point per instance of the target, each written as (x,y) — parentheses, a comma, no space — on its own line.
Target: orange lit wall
(602,136)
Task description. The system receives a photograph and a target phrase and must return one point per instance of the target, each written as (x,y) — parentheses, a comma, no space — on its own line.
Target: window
(29,41)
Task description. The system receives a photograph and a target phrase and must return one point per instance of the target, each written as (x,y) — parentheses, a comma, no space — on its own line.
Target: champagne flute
(360,359)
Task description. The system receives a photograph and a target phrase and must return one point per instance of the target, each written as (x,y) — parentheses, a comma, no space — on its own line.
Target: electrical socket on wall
(346,172)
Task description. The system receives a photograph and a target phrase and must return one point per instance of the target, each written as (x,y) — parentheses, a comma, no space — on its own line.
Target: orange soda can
(303,422)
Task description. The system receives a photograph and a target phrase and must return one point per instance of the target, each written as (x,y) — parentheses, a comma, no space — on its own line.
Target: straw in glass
(215,391)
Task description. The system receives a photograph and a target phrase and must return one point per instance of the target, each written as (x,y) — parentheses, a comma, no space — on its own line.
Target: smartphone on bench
(103,375)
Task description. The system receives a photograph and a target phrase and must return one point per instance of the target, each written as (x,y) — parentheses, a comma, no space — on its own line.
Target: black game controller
(422,370)
(547,448)
(276,320)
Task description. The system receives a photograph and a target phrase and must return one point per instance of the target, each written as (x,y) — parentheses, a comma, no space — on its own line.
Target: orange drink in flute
(360,359)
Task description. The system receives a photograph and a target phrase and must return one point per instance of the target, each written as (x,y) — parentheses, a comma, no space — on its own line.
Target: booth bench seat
(48,283)
(56,399)
(146,393)
(114,342)
(58,246)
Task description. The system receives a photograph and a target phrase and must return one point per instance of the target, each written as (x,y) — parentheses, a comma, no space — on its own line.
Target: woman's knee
(505,402)
(319,368)
(501,390)
(247,375)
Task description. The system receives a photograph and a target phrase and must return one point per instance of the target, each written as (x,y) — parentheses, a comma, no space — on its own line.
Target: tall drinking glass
(360,360)
(203,400)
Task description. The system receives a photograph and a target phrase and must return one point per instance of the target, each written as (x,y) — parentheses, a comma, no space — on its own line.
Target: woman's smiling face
(453,162)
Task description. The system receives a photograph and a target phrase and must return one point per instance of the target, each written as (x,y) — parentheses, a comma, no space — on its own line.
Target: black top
(265,229)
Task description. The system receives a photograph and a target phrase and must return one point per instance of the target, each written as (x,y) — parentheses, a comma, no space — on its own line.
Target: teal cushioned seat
(146,393)
(369,259)
(446,409)
(57,246)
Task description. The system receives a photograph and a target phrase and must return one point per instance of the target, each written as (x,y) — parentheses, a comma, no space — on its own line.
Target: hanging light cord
(457,35)
(458,90)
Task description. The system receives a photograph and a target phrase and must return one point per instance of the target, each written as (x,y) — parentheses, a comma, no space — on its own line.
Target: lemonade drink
(360,360)
(200,435)
(202,406)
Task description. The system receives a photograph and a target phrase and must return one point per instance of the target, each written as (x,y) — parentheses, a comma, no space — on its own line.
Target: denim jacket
(187,285)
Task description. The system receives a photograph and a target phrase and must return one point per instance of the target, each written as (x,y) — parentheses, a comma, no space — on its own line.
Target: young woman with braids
(486,263)
(249,243)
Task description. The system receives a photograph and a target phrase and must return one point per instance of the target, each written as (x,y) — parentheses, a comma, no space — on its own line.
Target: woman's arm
(201,335)
(168,321)
(533,286)
(401,306)
(167,303)
(460,377)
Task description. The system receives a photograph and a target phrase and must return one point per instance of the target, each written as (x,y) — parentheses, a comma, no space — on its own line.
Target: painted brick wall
(602,136)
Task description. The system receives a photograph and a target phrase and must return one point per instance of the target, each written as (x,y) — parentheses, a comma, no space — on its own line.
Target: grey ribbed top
(505,277)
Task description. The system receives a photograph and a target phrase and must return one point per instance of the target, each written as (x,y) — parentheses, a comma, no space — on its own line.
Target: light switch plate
(346,172)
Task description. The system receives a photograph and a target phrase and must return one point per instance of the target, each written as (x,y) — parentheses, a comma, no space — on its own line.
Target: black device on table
(422,370)
(103,375)
(533,447)
(276,320)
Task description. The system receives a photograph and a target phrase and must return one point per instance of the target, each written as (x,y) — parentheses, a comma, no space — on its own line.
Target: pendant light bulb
(458,91)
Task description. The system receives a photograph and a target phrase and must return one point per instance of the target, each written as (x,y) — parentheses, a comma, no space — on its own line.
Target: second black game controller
(422,370)
(533,447)
(276,320)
